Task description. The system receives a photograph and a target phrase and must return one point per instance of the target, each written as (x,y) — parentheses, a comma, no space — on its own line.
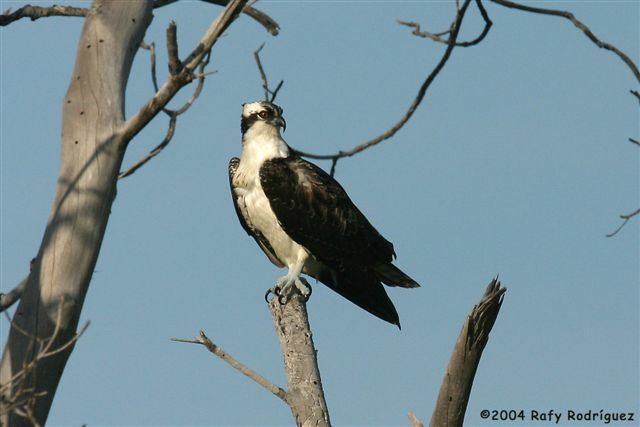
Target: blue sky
(516,163)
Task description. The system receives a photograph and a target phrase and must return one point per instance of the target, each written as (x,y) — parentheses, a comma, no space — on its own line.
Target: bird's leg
(283,286)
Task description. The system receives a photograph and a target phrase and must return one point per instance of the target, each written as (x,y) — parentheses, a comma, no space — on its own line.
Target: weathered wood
(305,395)
(458,379)
(91,156)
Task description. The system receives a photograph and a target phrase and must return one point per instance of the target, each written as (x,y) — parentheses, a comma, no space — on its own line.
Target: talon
(266,295)
(284,286)
(275,290)
(305,298)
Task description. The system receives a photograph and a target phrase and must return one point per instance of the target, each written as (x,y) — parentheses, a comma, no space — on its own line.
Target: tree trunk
(91,156)
(305,395)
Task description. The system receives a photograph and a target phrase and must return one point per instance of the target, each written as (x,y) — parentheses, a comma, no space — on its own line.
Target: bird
(303,219)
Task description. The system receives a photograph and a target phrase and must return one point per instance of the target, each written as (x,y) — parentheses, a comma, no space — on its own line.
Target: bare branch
(263,76)
(580,25)
(173,114)
(202,339)
(198,90)
(8,299)
(176,82)
(274,93)
(37,12)
(635,93)
(453,37)
(265,20)
(437,37)
(458,379)
(634,141)
(167,139)
(625,219)
(17,396)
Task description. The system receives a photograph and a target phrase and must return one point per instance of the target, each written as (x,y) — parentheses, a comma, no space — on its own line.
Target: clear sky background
(516,163)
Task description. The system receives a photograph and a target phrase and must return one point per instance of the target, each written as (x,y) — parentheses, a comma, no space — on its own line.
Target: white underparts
(261,143)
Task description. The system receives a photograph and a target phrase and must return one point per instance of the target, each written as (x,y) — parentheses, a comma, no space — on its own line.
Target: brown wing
(316,212)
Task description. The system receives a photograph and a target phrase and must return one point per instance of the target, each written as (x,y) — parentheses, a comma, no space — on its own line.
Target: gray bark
(305,395)
(91,156)
(94,139)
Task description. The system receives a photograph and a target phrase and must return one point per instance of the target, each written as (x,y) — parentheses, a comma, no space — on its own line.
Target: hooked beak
(280,122)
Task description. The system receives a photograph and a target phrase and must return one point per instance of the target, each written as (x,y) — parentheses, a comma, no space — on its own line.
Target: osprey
(304,220)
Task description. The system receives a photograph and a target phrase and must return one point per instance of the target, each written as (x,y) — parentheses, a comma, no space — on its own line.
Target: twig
(580,25)
(263,76)
(334,163)
(167,139)
(173,114)
(635,93)
(634,141)
(202,339)
(8,299)
(174,83)
(437,37)
(453,37)
(625,219)
(37,12)
(265,20)
(458,379)
(22,398)
(275,91)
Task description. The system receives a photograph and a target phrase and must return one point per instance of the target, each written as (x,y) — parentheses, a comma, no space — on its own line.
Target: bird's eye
(263,114)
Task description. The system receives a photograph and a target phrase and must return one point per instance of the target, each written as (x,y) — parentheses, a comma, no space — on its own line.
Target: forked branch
(18,395)
(175,82)
(269,95)
(175,66)
(625,219)
(438,37)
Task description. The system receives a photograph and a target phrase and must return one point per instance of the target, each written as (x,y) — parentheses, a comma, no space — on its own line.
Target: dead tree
(95,136)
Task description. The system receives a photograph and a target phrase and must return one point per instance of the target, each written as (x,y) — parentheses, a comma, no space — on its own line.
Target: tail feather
(391,275)
(363,289)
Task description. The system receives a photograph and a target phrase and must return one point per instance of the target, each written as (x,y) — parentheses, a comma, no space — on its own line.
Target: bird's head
(260,114)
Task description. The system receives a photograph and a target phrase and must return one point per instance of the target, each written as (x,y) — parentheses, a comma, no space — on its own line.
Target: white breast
(259,214)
